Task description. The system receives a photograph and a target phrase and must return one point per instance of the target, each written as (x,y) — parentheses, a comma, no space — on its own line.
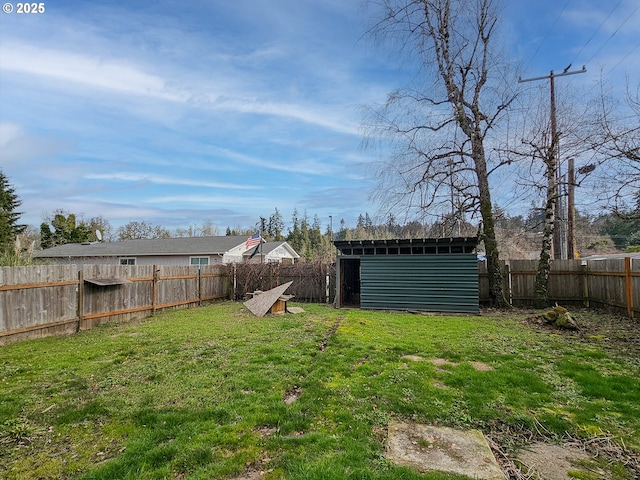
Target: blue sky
(180,112)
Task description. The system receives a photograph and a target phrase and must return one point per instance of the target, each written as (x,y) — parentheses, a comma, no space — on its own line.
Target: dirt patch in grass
(613,333)
(330,333)
(481,367)
(413,358)
(292,395)
(441,362)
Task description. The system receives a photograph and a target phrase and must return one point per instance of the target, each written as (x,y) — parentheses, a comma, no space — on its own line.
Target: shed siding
(431,283)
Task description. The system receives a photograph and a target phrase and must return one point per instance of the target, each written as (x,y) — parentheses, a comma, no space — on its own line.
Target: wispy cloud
(109,74)
(165,180)
(18,147)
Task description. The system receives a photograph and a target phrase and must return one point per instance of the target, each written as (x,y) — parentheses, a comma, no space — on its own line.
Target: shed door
(430,283)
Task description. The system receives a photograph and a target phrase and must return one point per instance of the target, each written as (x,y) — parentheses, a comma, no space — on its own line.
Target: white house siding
(175,259)
(278,254)
(232,258)
(140,260)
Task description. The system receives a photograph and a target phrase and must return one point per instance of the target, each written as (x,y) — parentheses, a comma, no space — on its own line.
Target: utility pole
(571,211)
(559,250)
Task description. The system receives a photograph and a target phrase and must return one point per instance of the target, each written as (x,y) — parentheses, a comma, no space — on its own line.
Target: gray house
(171,251)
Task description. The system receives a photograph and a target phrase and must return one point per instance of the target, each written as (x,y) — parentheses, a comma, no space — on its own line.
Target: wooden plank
(260,304)
(107,282)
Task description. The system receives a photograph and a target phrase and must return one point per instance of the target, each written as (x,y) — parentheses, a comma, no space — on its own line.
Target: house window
(199,260)
(128,261)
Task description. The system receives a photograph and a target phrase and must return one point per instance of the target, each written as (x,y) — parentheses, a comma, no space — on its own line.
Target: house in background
(170,251)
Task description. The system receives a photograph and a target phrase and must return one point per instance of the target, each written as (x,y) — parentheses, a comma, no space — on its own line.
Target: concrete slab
(429,448)
(552,462)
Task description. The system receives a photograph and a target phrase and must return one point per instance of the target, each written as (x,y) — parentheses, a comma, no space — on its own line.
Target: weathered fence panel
(566,280)
(52,300)
(634,274)
(215,283)
(615,283)
(177,286)
(483,281)
(523,276)
(124,301)
(34,296)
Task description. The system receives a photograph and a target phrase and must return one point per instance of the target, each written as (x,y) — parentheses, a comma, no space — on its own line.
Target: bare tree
(543,146)
(139,230)
(438,130)
(535,152)
(617,142)
(207,229)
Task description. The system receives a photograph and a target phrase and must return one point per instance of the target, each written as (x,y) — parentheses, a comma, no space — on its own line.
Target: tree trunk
(496,291)
(541,295)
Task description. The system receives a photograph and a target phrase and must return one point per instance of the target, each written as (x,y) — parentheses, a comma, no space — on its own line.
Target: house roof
(268,247)
(146,247)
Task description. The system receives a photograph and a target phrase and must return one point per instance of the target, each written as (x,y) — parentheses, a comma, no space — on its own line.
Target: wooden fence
(612,283)
(47,300)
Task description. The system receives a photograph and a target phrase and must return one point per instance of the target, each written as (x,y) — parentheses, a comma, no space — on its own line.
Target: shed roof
(473,241)
(407,245)
(146,247)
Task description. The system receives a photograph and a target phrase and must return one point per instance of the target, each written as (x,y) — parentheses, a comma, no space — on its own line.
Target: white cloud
(164,180)
(109,74)
(19,147)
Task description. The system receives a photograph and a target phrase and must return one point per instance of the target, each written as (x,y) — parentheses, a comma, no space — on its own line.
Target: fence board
(215,282)
(48,295)
(607,284)
(177,285)
(523,279)
(635,286)
(132,299)
(483,281)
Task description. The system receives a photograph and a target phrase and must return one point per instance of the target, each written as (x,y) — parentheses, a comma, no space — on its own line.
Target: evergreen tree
(9,202)
(68,229)
(275,226)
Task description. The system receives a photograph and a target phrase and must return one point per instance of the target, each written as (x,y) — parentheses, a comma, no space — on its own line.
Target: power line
(616,31)
(549,31)
(625,57)
(595,33)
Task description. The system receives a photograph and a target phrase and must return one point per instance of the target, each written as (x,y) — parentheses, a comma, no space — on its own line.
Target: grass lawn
(215,392)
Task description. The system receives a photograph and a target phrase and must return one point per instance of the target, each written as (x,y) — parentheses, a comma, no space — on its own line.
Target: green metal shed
(431,275)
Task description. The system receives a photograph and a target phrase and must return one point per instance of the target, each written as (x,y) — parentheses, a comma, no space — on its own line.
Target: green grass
(199,393)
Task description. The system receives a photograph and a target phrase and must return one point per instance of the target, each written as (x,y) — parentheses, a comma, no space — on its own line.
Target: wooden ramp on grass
(259,305)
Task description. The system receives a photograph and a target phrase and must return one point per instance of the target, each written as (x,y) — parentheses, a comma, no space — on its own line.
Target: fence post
(235,281)
(506,282)
(199,286)
(327,282)
(629,285)
(154,290)
(585,283)
(80,301)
